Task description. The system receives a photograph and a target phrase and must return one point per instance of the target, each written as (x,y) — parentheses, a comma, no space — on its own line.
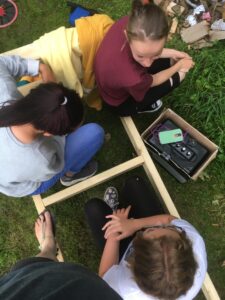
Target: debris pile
(199,22)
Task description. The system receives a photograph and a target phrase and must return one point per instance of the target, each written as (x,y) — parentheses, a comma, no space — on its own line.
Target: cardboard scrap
(195,33)
(174,25)
(200,35)
(174,9)
(215,35)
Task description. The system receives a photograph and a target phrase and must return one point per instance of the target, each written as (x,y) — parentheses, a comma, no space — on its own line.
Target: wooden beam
(93,181)
(209,290)
(38,203)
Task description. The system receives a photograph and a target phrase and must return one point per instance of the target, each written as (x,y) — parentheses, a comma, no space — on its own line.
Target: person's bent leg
(96,211)
(142,198)
(127,108)
(159,65)
(156,93)
(81,145)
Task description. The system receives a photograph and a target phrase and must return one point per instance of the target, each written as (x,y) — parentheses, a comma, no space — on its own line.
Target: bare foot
(45,236)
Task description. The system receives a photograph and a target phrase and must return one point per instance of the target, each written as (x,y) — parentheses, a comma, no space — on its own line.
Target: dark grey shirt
(56,281)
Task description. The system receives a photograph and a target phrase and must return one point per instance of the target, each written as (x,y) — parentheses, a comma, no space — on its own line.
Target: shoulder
(187,227)
(120,278)
(192,233)
(200,255)
(123,21)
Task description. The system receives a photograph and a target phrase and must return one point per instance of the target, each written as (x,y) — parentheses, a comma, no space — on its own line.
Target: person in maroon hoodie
(133,69)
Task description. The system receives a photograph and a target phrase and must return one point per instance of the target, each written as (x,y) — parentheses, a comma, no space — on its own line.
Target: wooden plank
(93,181)
(174,25)
(208,288)
(38,203)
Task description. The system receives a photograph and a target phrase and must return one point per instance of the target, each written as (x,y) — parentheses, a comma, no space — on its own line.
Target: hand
(185,65)
(122,213)
(119,227)
(46,73)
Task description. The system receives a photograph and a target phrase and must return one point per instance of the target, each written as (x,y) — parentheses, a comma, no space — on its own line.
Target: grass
(199,100)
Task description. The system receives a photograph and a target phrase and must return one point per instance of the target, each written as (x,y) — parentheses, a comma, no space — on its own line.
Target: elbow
(101,273)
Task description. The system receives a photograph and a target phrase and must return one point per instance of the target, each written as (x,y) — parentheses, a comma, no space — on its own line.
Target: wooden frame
(143,159)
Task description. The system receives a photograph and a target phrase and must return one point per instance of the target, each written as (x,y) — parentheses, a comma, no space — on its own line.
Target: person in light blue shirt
(41,136)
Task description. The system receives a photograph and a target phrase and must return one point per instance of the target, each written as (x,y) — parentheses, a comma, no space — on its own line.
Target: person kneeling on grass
(43,277)
(149,255)
(41,136)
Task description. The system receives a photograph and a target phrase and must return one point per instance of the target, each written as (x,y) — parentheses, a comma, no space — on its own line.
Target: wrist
(111,240)
(178,66)
(137,225)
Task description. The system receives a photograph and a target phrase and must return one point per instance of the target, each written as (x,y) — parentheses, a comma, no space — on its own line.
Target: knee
(91,207)
(134,180)
(96,132)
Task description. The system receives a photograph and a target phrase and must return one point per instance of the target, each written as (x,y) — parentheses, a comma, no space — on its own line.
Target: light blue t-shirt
(23,167)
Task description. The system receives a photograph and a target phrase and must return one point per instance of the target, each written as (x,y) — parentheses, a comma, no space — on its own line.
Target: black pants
(138,194)
(131,107)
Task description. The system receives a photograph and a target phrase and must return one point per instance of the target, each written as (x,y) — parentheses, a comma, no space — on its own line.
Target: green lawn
(200,100)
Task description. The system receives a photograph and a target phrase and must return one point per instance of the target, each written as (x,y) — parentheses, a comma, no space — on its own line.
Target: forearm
(151,221)
(167,53)
(174,54)
(46,73)
(17,66)
(164,75)
(110,256)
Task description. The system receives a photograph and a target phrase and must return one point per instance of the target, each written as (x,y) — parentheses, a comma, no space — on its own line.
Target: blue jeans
(81,145)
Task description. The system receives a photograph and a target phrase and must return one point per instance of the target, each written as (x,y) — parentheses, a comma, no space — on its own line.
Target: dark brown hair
(147,21)
(163,267)
(50,107)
